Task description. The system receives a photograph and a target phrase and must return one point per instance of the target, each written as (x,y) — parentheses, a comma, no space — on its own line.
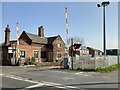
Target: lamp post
(104,4)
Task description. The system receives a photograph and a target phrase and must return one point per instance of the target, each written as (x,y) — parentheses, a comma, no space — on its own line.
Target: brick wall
(57,49)
(29,50)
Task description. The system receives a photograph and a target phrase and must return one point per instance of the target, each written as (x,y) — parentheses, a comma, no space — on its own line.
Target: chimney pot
(41,31)
(7,26)
(7,35)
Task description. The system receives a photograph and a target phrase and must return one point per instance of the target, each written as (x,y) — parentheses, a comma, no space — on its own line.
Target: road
(14,84)
(37,78)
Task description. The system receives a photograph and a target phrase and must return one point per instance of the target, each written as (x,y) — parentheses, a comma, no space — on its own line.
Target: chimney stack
(41,31)
(7,35)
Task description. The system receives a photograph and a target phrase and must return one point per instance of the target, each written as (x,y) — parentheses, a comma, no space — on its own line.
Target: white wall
(93,63)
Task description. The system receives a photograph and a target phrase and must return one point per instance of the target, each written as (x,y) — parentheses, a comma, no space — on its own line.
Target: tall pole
(104,32)
(104,4)
(17,35)
(66,30)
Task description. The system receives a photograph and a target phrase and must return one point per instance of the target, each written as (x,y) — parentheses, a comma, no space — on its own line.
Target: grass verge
(108,69)
(102,70)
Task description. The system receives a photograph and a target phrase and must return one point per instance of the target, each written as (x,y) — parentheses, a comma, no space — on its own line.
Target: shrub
(33,61)
(27,61)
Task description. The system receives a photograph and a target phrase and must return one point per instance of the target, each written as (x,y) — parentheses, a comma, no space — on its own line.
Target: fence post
(72,54)
(118,56)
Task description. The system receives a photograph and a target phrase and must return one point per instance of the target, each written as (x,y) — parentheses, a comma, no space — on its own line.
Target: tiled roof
(94,49)
(36,38)
(42,40)
(11,42)
(51,39)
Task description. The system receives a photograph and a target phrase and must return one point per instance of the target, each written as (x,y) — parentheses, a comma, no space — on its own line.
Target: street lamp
(104,4)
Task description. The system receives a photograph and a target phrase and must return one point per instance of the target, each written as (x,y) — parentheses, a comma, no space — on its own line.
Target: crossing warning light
(77,45)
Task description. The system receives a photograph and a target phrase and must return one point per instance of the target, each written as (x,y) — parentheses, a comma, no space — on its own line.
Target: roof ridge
(28,34)
(94,48)
(34,35)
(36,38)
(52,36)
(31,33)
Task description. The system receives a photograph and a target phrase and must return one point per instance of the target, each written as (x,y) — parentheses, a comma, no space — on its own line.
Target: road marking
(58,85)
(1,74)
(70,87)
(19,78)
(79,73)
(38,84)
(51,84)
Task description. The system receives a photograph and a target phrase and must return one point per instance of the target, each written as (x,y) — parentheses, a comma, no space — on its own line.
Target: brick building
(94,52)
(43,49)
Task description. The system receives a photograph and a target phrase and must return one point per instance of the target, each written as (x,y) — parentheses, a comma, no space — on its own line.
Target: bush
(27,61)
(33,61)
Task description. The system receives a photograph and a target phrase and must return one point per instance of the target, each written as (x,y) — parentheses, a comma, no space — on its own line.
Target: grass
(108,69)
(102,70)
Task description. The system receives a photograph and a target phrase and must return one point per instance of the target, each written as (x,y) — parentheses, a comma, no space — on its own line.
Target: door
(50,56)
